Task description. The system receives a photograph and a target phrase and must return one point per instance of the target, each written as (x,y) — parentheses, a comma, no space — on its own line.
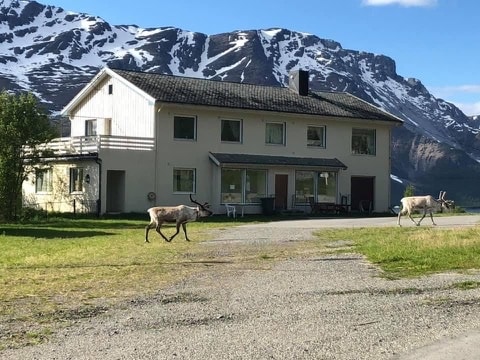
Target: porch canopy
(248,159)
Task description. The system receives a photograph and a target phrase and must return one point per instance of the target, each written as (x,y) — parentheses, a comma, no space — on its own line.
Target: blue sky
(436,41)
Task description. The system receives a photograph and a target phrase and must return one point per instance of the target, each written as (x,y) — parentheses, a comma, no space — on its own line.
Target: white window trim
(195,124)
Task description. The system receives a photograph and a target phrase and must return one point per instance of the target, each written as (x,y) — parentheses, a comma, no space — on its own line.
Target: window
(275,133)
(76,180)
(316,136)
(255,185)
(184,180)
(184,127)
(90,127)
(243,185)
(363,141)
(321,185)
(231,130)
(43,180)
(110,89)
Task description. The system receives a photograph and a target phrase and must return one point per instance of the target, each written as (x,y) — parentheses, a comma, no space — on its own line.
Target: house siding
(130,112)
(194,154)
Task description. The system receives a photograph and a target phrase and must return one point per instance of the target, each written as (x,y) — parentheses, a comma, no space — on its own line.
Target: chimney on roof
(298,82)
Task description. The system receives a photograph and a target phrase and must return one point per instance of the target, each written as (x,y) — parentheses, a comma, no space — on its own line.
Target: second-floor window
(184,180)
(185,127)
(316,136)
(43,180)
(275,133)
(231,130)
(91,127)
(76,180)
(363,141)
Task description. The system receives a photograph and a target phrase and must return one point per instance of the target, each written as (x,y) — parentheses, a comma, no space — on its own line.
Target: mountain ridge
(54,53)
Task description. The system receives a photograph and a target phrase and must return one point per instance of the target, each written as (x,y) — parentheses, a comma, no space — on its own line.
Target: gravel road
(324,307)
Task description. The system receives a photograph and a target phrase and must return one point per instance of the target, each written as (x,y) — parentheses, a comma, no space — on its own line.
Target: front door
(115,191)
(281,191)
(362,190)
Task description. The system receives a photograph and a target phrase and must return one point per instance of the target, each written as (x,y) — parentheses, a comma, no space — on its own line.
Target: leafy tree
(409,190)
(23,123)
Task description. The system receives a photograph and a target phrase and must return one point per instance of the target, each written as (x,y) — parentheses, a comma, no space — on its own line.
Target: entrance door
(115,191)
(281,191)
(362,190)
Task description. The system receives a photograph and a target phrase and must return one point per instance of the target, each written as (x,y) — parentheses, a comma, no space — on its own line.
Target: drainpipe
(99,200)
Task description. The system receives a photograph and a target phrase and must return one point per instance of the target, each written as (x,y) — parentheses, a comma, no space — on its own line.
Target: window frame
(240,131)
(243,196)
(192,179)
(91,127)
(76,174)
(184,117)
(47,181)
(323,140)
(366,138)
(315,187)
(268,140)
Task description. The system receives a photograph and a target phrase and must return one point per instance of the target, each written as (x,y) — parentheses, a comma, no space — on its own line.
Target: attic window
(110,89)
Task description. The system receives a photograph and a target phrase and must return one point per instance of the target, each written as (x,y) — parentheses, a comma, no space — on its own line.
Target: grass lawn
(413,251)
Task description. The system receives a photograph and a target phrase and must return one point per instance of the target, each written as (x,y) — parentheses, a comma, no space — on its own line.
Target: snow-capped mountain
(54,53)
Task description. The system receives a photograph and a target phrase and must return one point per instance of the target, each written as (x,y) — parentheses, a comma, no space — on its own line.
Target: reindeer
(179,215)
(425,203)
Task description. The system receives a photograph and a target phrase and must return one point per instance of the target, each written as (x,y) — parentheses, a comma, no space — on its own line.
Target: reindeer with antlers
(180,215)
(425,203)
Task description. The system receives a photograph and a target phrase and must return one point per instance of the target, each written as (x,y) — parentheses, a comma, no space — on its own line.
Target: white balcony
(81,145)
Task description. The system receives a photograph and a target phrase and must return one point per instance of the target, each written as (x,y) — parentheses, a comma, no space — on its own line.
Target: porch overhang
(222,159)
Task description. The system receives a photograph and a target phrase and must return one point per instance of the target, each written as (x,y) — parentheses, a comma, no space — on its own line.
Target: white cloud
(406,3)
(465,97)
(469,109)
(448,91)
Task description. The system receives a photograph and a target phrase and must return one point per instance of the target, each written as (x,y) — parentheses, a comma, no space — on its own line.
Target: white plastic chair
(231,210)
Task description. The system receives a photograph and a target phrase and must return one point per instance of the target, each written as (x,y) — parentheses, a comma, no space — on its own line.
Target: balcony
(82,145)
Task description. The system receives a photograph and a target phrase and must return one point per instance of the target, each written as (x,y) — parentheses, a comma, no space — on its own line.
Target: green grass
(406,252)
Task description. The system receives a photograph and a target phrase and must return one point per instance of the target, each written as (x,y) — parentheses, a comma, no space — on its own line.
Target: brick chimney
(298,82)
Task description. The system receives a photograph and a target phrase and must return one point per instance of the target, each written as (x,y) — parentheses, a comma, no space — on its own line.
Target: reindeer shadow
(43,233)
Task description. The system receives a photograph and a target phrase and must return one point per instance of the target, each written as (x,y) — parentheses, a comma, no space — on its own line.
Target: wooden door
(281,191)
(362,193)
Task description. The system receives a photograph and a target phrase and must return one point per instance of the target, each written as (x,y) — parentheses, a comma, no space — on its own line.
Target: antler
(193,201)
(204,206)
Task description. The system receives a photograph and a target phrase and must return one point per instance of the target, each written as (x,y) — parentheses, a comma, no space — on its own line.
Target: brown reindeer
(180,215)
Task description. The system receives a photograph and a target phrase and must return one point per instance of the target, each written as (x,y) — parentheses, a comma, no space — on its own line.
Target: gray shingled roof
(195,91)
(248,159)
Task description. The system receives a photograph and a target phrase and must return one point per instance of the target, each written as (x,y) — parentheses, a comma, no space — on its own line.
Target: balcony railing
(80,145)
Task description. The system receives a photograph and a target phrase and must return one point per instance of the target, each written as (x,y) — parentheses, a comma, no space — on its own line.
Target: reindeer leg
(424,213)
(184,227)
(147,229)
(178,230)
(161,234)
(431,217)
(411,218)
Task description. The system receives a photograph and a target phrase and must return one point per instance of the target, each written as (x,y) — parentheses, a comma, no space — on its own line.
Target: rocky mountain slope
(54,53)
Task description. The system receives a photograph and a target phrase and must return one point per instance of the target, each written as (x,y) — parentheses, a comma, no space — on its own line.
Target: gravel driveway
(324,307)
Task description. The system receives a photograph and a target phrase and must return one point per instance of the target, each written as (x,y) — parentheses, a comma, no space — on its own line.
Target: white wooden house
(141,139)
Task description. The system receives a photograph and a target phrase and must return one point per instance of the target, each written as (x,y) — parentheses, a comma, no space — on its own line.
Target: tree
(23,123)
(409,190)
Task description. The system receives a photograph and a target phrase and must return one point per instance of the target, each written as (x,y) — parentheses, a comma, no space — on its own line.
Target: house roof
(249,159)
(197,91)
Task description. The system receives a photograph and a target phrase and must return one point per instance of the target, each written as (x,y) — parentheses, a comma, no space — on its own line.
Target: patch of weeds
(466,285)
(266,257)
(181,298)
